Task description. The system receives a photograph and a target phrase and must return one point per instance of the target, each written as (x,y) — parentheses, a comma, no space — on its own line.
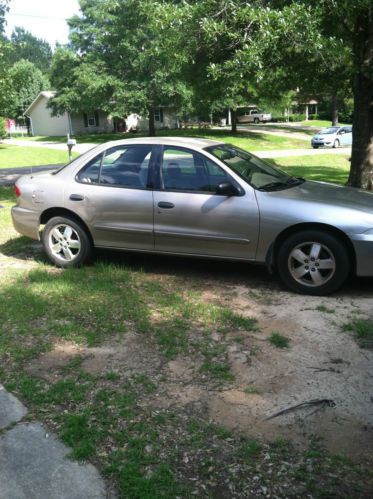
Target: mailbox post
(70,144)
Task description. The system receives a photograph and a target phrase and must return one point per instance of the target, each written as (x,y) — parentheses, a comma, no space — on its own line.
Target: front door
(190,218)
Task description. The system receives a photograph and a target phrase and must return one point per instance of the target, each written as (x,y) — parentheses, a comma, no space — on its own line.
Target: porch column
(229,121)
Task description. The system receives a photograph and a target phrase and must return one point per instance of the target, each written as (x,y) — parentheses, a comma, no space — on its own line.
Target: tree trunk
(151,122)
(334,111)
(361,173)
(234,120)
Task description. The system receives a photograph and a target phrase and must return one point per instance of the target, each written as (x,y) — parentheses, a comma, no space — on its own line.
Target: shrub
(313,116)
(297,117)
(3,130)
(278,118)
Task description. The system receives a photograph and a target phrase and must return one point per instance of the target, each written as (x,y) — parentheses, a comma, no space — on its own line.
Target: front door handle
(76,197)
(164,204)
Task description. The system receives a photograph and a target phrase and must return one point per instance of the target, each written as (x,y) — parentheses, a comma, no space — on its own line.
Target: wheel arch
(64,212)
(272,252)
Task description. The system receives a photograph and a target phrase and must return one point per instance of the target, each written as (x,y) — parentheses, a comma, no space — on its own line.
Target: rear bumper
(363,244)
(26,222)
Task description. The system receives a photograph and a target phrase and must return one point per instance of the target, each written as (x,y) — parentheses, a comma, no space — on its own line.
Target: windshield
(331,130)
(255,171)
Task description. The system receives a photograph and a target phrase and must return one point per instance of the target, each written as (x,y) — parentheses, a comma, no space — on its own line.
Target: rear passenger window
(185,170)
(125,166)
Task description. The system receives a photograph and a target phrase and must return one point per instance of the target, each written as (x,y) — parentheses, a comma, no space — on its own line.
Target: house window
(158,115)
(91,119)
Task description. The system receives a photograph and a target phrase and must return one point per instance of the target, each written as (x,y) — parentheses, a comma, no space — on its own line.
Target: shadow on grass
(23,248)
(318,173)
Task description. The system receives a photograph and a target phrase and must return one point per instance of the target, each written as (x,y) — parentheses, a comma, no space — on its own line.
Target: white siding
(169,120)
(43,123)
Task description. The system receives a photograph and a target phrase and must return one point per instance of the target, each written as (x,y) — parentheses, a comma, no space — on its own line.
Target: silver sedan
(196,197)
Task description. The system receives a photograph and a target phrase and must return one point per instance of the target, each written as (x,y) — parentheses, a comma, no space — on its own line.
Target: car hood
(334,195)
(345,207)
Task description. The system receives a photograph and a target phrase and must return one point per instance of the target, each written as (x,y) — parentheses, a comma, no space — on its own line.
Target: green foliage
(27,81)
(129,58)
(3,132)
(24,45)
(4,7)
(297,117)
(279,340)
(362,330)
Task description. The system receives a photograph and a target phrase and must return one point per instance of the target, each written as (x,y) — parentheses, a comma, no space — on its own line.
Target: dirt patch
(323,382)
(320,387)
(127,355)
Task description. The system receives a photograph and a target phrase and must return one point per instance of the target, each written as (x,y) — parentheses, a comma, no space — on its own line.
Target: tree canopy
(123,58)
(25,45)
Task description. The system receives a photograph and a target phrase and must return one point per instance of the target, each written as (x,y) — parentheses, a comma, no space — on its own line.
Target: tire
(321,276)
(256,121)
(336,143)
(315,147)
(66,242)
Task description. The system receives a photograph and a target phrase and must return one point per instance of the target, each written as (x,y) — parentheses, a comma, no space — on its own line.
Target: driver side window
(189,171)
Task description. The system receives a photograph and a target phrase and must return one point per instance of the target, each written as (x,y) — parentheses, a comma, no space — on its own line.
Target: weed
(326,310)
(251,390)
(218,370)
(362,330)
(249,449)
(278,340)
(231,320)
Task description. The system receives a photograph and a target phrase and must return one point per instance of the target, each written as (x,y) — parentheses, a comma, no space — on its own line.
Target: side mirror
(227,189)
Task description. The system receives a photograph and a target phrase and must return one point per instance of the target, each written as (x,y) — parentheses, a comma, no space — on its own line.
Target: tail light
(17,190)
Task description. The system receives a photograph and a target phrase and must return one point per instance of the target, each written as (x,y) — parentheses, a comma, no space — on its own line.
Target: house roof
(46,94)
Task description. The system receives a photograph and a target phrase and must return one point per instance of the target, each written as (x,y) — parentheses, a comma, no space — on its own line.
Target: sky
(45,19)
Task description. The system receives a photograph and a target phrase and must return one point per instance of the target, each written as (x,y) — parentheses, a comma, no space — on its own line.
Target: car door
(111,194)
(190,218)
(346,137)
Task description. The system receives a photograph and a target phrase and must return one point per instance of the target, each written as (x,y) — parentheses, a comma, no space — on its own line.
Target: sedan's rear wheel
(66,242)
(313,262)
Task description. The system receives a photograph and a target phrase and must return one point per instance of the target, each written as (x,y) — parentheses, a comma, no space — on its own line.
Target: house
(43,123)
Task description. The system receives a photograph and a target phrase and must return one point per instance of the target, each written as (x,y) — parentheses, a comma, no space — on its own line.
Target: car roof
(195,142)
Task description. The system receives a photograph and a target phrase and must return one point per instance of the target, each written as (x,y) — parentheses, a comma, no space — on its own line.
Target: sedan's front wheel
(66,242)
(313,262)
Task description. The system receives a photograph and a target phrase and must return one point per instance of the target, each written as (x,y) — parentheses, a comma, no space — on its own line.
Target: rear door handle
(76,197)
(164,204)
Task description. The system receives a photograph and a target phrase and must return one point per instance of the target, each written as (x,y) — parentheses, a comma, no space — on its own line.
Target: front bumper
(321,143)
(363,245)
(26,222)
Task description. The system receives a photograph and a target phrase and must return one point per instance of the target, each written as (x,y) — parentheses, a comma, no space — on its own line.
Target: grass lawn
(324,167)
(249,141)
(320,123)
(17,156)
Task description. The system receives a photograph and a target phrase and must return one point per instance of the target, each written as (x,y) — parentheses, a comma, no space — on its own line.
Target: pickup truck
(253,116)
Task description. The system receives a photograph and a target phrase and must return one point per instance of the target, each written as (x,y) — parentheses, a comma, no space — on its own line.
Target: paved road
(9,175)
(79,148)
